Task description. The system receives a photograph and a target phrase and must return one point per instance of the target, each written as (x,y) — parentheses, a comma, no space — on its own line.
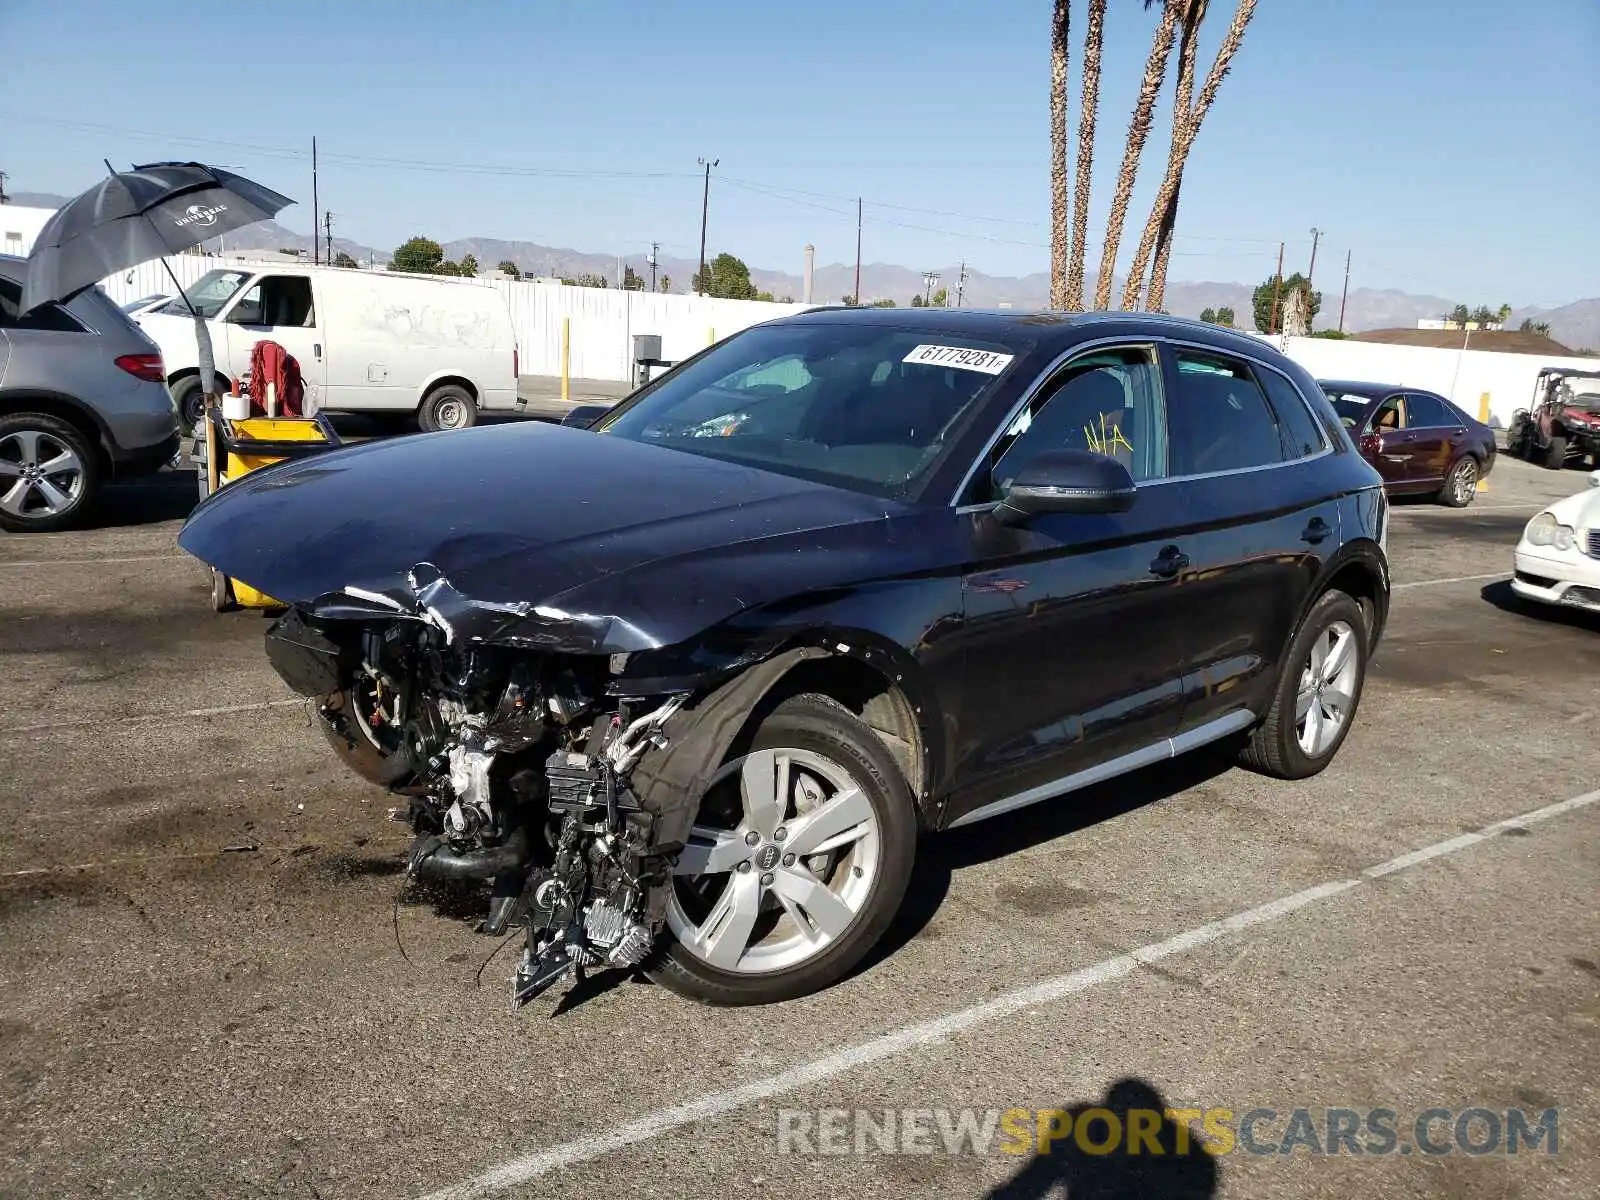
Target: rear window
(51,318)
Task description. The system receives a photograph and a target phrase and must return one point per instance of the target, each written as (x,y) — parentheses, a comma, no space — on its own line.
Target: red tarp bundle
(271,363)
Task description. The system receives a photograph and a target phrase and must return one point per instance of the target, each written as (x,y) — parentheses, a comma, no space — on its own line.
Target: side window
(1388,416)
(278,301)
(1302,436)
(49,318)
(1427,412)
(1109,402)
(1225,421)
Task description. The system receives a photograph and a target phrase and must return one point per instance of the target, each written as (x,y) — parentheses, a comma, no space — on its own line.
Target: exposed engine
(515,770)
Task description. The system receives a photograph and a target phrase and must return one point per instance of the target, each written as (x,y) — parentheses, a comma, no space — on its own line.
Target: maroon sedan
(1420,443)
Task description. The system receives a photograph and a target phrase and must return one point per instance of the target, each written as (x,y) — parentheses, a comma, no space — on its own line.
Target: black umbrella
(134,216)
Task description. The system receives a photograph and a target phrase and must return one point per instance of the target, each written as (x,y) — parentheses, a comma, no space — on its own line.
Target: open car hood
(524,535)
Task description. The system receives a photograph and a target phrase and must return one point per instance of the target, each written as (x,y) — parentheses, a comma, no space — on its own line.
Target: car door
(1072,657)
(1254,466)
(1387,443)
(1433,433)
(282,309)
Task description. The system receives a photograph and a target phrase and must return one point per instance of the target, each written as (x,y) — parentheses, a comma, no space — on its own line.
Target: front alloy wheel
(1327,689)
(797,861)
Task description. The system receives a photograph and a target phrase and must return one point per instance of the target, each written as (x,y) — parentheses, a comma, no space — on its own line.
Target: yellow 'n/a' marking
(1106,441)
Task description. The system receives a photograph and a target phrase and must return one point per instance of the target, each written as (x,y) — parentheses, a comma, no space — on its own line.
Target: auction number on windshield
(962,357)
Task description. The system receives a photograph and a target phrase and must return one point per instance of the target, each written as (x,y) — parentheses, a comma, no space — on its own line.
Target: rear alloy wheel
(48,473)
(1317,695)
(798,860)
(1555,454)
(1461,484)
(448,407)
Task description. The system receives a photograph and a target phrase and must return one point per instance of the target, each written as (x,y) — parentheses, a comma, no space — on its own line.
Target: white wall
(1463,376)
(603,320)
(19,225)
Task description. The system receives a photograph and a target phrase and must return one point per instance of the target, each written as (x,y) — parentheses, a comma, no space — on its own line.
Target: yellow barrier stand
(1483,408)
(566,359)
(711,336)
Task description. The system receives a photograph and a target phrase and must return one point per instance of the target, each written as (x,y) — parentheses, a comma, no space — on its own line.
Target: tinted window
(1109,402)
(1349,406)
(1302,436)
(869,407)
(1225,421)
(49,317)
(1427,412)
(280,301)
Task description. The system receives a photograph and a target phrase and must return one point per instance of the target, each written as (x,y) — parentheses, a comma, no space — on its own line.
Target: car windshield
(868,407)
(135,305)
(1348,405)
(208,294)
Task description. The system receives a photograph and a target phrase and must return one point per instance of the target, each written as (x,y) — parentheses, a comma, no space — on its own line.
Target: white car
(1558,558)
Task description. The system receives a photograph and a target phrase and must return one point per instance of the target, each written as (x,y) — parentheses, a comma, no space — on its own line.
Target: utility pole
(327,223)
(1277,290)
(856,295)
(961,282)
(1344,295)
(705,208)
(1311,271)
(929,278)
(314,209)
(655,248)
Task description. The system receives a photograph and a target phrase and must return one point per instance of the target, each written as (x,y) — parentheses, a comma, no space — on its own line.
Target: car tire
(1555,454)
(449,406)
(1460,483)
(191,401)
(67,462)
(387,768)
(815,733)
(1280,745)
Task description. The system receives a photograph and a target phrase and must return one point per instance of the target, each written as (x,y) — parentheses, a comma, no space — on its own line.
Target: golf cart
(1564,420)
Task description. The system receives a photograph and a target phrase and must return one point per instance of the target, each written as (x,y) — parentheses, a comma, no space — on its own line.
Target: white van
(367,341)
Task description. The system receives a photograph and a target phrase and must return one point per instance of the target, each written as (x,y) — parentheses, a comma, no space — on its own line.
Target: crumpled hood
(507,533)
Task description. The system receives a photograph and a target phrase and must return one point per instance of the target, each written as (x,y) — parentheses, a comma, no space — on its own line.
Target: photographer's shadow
(1183,1170)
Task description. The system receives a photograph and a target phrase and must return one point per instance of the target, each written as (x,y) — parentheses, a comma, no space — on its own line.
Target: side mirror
(1066,481)
(583,416)
(1371,442)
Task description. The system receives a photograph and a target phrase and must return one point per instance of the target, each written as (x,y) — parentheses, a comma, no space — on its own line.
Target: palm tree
(1183,102)
(1186,122)
(1155,72)
(1088,107)
(1060,225)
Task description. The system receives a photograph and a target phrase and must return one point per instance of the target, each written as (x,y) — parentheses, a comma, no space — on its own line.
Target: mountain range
(1576,324)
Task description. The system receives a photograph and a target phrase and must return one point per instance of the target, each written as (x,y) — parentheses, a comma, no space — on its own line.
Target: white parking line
(149,718)
(518,1171)
(1453,579)
(92,562)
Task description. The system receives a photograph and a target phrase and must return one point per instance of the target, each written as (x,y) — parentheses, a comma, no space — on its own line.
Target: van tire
(1555,454)
(448,406)
(186,394)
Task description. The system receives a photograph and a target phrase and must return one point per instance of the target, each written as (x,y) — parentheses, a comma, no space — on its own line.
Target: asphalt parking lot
(210,989)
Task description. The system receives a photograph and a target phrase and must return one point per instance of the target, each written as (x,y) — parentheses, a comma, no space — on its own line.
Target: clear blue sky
(1454,147)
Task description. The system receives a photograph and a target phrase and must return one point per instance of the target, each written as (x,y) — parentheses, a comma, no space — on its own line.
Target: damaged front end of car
(526,759)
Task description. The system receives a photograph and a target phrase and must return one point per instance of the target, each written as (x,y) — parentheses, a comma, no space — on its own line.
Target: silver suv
(83,400)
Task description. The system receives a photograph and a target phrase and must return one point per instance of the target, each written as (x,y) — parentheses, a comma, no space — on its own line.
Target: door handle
(1169,562)
(1316,531)
(316,349)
